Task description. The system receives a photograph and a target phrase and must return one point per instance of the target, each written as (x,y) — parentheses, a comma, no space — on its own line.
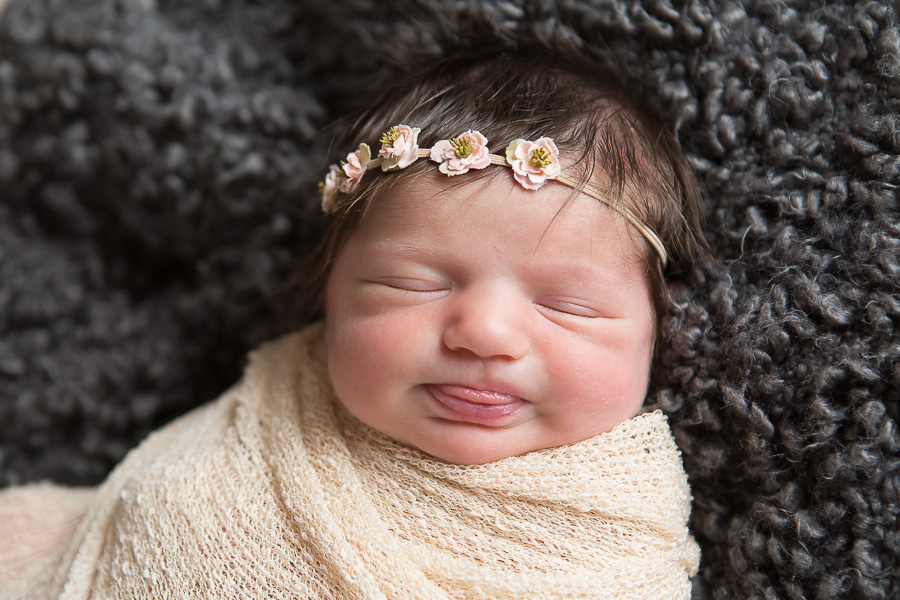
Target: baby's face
(477,321)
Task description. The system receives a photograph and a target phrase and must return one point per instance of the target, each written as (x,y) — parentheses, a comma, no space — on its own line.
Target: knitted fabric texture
(275,491)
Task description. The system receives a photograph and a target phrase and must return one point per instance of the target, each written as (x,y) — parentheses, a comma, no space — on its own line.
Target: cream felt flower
(328,189)
(533,163)
(458,155)
(399,147)
(354,168)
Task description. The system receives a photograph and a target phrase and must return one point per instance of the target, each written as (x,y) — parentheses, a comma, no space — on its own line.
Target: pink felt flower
(355,167)
(399,147)
(329,188)
(533,162)
(458,155)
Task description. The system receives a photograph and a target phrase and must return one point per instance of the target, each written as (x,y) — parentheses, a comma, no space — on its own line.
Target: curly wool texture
(158,180)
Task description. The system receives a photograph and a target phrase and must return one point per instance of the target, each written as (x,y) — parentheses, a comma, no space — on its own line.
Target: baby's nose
(488,323)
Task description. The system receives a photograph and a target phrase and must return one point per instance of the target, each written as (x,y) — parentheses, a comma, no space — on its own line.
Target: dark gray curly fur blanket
(158,162)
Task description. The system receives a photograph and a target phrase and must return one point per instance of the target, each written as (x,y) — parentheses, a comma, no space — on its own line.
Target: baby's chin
(481,445)
(467,456)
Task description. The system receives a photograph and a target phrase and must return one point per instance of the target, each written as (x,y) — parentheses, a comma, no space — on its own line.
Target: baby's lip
(485,404)
(492,394)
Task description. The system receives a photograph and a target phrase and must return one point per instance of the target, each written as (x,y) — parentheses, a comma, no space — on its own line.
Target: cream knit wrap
(274,491)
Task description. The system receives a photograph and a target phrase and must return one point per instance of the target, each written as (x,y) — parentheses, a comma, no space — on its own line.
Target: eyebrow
(405,248)
(596,273)
(420,251)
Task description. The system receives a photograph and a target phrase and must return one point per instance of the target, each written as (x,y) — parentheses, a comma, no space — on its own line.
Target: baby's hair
(609,136)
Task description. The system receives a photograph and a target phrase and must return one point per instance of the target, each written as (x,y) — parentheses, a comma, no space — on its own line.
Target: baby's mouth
(474,405)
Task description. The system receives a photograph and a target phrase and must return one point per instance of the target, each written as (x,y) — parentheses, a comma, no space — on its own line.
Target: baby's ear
(670,287)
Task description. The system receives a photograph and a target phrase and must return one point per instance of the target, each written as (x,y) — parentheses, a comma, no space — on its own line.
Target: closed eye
(567,308)
(407,284)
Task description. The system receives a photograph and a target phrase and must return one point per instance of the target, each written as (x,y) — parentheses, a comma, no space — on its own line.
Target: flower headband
(533,164)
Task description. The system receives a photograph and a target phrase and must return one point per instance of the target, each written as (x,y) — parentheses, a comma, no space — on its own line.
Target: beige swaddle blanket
(275,491)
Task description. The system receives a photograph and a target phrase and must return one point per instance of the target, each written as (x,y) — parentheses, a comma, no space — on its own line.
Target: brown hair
(507,96)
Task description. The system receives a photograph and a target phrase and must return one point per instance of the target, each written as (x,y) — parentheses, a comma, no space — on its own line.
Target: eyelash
(580,311)
(404,286)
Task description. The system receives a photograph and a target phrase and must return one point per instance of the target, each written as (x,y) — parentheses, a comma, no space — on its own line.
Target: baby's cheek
(587,370)
(365,354)
(598,389)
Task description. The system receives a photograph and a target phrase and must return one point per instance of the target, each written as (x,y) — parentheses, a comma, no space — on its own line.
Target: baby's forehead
(431,209)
